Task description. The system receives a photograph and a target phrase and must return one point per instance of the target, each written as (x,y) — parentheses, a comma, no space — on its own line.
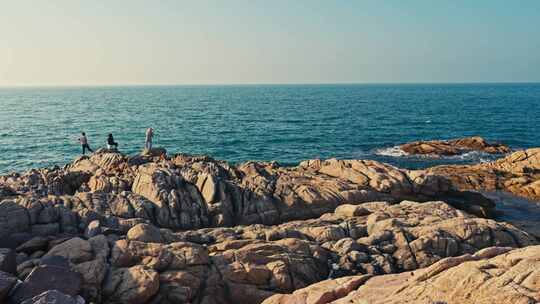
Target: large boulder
(54,297)
(321,292)
(154,152)
(34,244)
(135,285)
(145,233)
(45,278)
(76,250)
(13,218)
(176,203)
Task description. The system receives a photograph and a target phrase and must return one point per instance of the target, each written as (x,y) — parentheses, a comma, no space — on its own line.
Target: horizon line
(260,84)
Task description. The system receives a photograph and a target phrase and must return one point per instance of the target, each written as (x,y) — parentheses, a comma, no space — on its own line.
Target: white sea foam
(474,156)
(394,151)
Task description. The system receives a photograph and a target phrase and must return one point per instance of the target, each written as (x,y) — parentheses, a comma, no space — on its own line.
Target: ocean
(39,127)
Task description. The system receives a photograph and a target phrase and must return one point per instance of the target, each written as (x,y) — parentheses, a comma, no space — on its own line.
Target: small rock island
(454,147)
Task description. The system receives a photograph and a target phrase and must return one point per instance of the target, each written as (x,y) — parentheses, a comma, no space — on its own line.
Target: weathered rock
(454,147)
(93,273)
(76,250)
(191,192)
(35,244)
(45,278)
(135,285)
(7,281)
(53,297)
(299,225)
(322,292)
(8,260)
(55,260)
(13,218)
(493,275)
(45,229)
(351,210)
(145,233)
(518,173)
(154,152)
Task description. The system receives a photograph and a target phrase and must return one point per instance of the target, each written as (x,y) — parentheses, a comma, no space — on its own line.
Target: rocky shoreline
(153,228)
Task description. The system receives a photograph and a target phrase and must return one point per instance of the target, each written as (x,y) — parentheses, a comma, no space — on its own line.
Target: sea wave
(472,156)
(394,151)
(476,156)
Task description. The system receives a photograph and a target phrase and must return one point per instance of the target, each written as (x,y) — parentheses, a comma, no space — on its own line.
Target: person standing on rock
(111,144)
(148,140)
(84,143)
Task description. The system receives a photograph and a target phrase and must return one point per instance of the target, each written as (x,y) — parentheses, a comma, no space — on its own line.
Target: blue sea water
(39,127)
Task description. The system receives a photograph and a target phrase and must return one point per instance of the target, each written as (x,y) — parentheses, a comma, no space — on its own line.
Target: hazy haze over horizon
(65,42)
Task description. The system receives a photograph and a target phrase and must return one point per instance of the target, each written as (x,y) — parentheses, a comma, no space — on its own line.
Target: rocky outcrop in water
(518,173)
(191,229)
(454,147)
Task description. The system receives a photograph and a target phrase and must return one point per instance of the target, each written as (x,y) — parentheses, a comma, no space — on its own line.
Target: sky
(102,42)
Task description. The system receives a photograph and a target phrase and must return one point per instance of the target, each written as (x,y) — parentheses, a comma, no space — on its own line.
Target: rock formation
(518,173)
(453,147)
(492,275)
(251,263)
(190,229)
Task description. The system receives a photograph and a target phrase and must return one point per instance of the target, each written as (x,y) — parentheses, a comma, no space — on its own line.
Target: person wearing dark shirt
(111,144)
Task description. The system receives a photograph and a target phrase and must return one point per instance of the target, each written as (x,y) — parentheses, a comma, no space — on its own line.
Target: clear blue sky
(254,41)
